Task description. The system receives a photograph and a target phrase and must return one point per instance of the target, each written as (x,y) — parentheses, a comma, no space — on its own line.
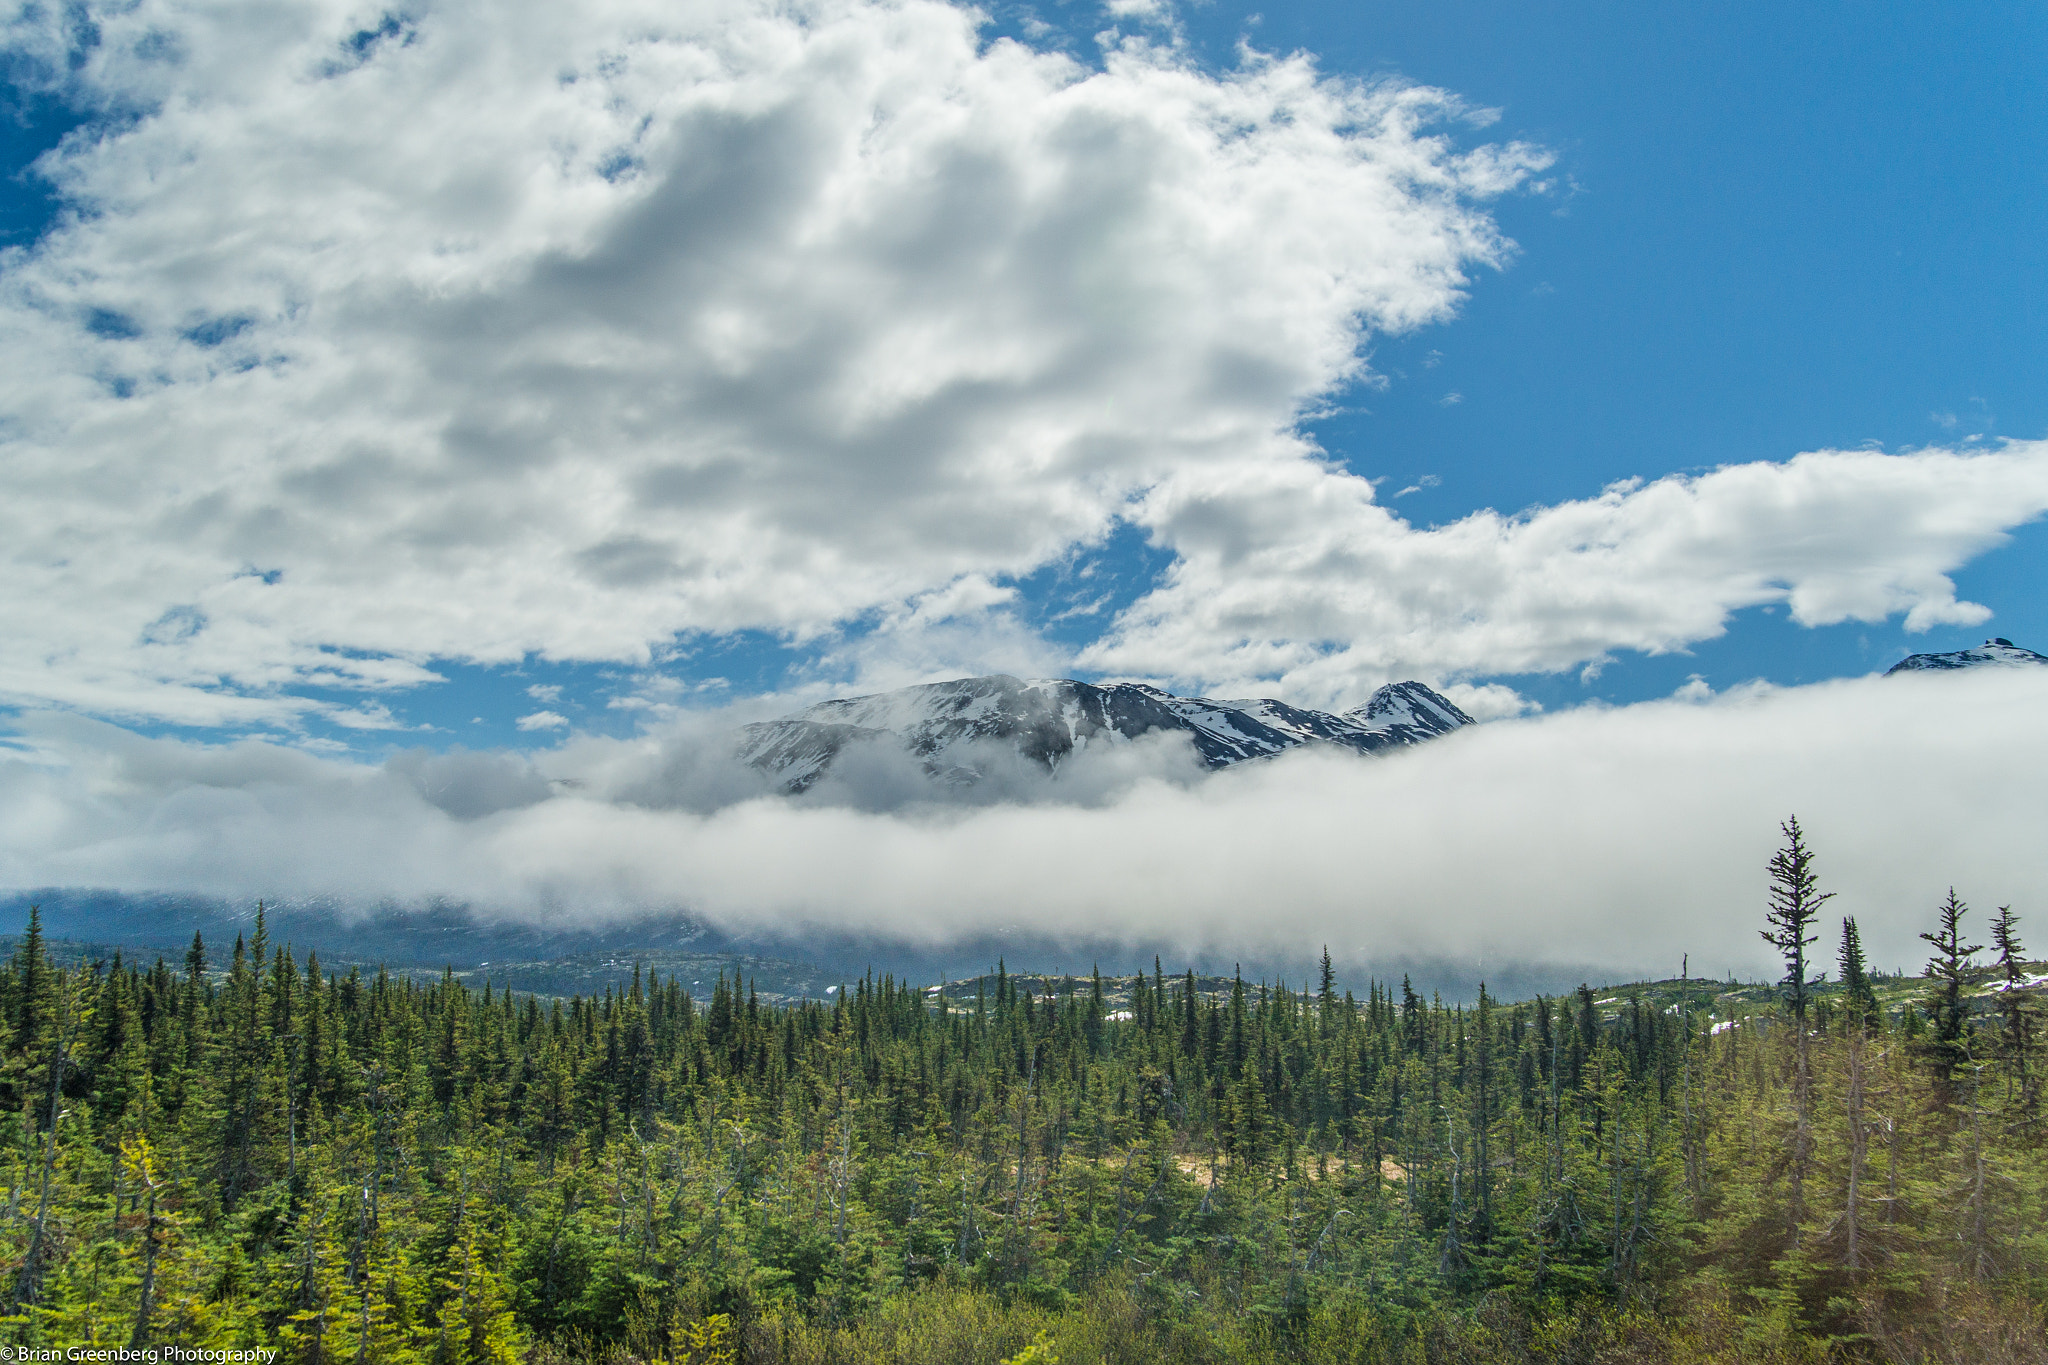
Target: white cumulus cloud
(1294,573)
(522,328)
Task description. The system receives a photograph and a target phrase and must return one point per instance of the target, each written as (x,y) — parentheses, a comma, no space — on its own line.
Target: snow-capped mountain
(1994,653)
(1048,720)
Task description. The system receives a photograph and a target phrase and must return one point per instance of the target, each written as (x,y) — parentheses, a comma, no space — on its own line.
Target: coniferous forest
(243,1149)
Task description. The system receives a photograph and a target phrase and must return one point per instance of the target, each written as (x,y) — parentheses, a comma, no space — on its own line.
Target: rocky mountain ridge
(1997,652)
(1049,720)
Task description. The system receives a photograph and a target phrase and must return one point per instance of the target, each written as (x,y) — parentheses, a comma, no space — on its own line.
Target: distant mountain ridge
(1997,652)
(1049,720)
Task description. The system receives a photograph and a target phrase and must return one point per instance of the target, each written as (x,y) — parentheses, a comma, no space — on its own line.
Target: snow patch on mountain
(1047,720)
(1997,652)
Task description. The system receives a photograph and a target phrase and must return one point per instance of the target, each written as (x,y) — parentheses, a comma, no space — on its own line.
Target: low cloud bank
(1617,838)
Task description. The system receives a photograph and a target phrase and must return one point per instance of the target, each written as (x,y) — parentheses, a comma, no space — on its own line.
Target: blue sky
(1790,228)
(1761,231)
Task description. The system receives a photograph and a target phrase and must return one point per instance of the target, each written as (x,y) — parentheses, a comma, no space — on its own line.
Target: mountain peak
(1997,652)
(1411,706)
(1048,720)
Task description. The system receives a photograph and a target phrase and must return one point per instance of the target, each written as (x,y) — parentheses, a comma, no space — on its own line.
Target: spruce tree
(825,1159)
(1946,1046)
(1858,999)
(32,971)
(1795,898)
(2015,1007)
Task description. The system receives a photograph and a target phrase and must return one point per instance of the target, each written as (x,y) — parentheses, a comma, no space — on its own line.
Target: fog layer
(1620,838)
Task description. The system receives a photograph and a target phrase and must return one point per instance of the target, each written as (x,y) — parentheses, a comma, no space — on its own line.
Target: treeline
(355,1168)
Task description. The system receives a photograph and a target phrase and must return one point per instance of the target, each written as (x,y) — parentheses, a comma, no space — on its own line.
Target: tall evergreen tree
(2016,1008)
(1946,1045)
(32,981)
(1859,1000)
(1795,900)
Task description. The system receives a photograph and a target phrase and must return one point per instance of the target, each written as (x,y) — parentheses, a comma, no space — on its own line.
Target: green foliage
(360,1168)
(1039,1352)
(1859,999)
(1948,980)
(1795,900)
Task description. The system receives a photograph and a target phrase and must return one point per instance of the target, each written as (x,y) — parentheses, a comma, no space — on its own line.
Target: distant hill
(547,960)
(436,934)
(565,958)
(1714,997)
